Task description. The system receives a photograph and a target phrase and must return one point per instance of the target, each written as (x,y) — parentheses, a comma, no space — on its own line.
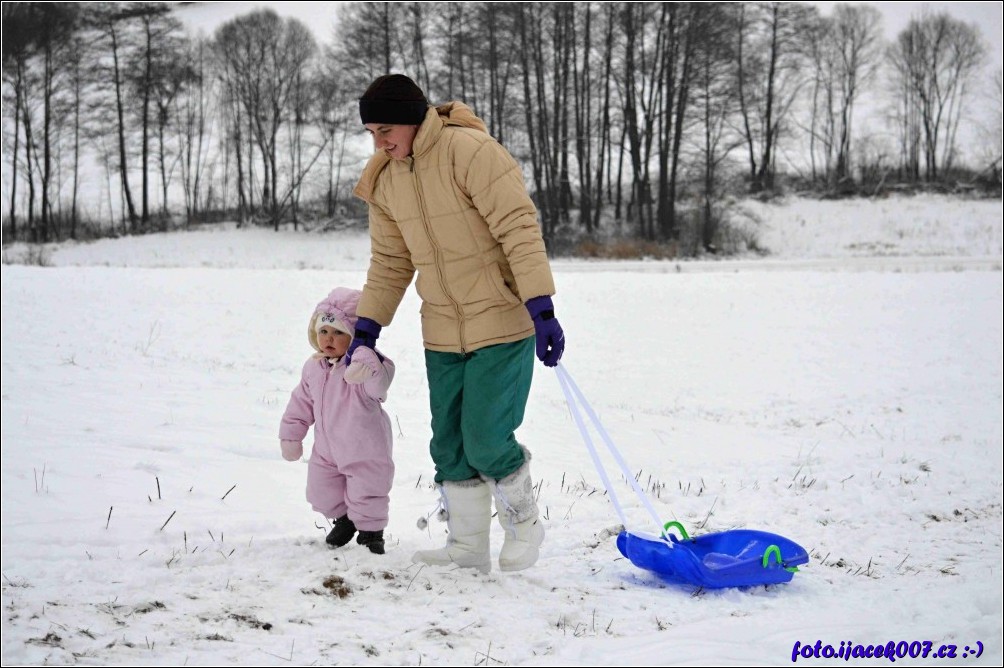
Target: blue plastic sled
(735,558)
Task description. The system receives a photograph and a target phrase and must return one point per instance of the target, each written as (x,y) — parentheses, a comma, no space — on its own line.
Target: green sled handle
(776,551)
(667,525)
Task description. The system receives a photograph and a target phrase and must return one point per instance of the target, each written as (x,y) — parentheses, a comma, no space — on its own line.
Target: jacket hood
(452,114)
(457,114)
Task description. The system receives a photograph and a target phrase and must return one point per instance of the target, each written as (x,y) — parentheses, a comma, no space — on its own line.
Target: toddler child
(350,471)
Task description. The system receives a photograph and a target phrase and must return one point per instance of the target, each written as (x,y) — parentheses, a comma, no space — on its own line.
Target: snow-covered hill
(147,517)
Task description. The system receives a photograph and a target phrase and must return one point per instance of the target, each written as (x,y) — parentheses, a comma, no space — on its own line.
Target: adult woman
(448,202)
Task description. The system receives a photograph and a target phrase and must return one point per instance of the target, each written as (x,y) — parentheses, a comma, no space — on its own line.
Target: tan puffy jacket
(458,213)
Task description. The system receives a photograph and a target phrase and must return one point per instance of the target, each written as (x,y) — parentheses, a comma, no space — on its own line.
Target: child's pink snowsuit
(350,469)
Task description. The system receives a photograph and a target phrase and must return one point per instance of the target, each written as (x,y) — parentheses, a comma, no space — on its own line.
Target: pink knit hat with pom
(337,310)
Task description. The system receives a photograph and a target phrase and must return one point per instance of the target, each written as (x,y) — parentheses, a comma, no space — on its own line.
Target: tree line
(646,114)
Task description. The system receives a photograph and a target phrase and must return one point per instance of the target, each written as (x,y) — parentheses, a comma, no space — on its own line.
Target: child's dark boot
(373,540)
(342,532)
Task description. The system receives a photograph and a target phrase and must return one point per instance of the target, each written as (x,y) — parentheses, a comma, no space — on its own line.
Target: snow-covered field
(844,392)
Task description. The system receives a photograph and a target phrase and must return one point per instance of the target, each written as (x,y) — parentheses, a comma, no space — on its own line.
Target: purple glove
(367,332)
(550,337)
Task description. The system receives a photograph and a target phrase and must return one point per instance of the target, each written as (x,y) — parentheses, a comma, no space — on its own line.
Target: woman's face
(396,140)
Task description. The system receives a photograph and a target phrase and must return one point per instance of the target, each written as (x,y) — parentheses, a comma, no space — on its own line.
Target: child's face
(333,343)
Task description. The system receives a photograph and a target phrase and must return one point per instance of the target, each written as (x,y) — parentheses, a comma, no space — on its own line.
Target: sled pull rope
(576,400)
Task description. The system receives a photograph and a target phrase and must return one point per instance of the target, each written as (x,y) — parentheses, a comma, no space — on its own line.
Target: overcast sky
(986,15)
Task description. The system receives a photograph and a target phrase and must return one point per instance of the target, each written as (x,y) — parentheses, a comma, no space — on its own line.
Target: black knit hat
(393,99)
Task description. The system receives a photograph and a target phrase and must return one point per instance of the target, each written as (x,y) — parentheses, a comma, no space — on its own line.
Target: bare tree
(527,26)
(336,115)
(17,50)
(193,121)
(582,85)
(453,26)
(154,77)
(770,50)
(845,51)
(857,38)
(264,58)
(231,111)
(369,43)
(38,36)
(822,125)
(302,100)
(543,35)
(140,78)
(55,26)
(639,87)
(933,60)
(716,106)
(687,33)
(990,130)
(110,22)
(605,150)
(75,55)
(495,61)
(417,26)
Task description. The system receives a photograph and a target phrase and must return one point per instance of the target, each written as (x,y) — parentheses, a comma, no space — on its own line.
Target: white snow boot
(467,509)
(519,517)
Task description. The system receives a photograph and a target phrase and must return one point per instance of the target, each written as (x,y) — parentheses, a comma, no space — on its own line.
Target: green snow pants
(477,401)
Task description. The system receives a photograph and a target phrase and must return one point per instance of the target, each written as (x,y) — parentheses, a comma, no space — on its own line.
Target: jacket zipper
(318,427)
(439,257)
